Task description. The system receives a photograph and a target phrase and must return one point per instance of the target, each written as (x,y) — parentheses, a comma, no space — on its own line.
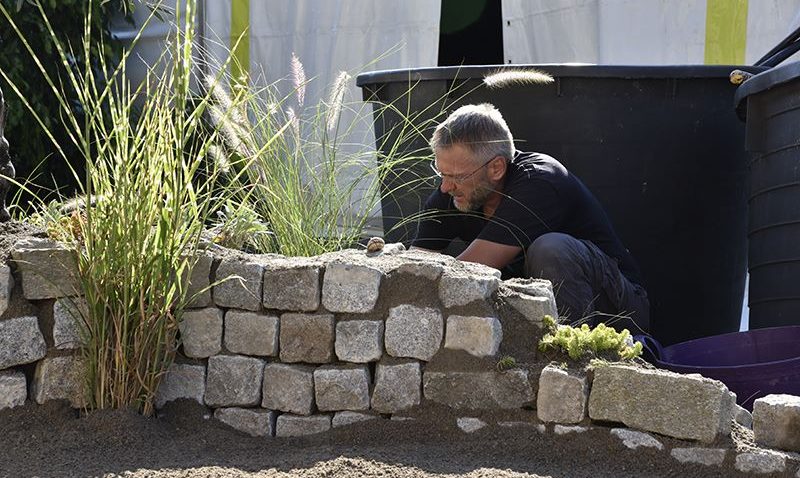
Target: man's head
(472,147)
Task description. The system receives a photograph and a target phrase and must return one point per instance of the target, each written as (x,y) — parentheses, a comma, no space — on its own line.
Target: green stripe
(240,25)
(726,32)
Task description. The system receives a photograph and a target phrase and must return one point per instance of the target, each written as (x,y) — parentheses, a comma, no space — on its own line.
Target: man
(525,214)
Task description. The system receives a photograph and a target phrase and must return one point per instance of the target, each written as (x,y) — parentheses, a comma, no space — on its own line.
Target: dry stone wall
(280,346)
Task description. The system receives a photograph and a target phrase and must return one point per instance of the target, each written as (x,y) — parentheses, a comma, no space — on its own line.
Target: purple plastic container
(752,364)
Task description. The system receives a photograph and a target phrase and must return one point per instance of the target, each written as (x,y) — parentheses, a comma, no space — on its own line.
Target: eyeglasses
(457,178)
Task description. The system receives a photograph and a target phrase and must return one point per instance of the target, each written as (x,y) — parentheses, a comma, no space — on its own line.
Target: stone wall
(281,346)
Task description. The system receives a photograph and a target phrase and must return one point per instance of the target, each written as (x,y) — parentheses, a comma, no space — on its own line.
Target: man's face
(463,177)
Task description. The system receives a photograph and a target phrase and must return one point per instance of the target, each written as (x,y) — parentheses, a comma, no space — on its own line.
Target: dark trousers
(588,284)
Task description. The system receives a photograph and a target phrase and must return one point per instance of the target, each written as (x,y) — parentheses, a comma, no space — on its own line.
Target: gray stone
(250,333)
(341,419)
(13,389)
(234,381)
(760,463)
(532,308)
(776,422)
(457,288)
(307,338)
(6,286)
(633,439)
(743,417)
(291,284)
(61,378)
(239,284)
(517,424)
(563,429)
(182,381)
(397,387)
(21,342)
(701,456)
(479,390)
(48,269)
(254,422)
(288,388)
(413,332)
(479,336)
(342,387)
(562,396)
(198,291)
(470,424)
(294,426)
(69,322)
(359,341)
(426,270)
(201,332)
(350,288)
(689,407)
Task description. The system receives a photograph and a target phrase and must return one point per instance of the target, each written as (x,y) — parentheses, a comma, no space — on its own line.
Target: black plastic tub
(773,135)
(660,146)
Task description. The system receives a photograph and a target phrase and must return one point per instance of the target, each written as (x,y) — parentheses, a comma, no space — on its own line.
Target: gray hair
(479,128)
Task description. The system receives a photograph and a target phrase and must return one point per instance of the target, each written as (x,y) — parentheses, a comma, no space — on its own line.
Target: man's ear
(497,168)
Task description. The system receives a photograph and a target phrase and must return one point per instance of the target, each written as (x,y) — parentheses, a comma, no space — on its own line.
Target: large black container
(660,147)
(773,135)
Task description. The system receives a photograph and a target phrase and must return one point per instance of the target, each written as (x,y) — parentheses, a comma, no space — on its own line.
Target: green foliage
(578,342)
(507,362)
(34,155)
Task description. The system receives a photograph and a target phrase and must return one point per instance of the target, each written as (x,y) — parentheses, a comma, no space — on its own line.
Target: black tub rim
(767,80)
(559,70)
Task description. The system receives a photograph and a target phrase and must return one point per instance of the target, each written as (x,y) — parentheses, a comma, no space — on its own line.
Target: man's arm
(489,253)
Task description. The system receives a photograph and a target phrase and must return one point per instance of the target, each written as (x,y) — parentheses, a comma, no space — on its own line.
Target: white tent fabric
(631,32)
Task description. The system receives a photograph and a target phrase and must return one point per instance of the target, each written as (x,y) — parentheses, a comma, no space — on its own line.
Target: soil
(53,440)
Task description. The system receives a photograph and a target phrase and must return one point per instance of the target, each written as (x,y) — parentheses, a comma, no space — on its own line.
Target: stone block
(359,341)
(760,462)
(701,456)
(350,288)
(13,389)
(341,419)
(479,390)
(234,381)
(198,292)
(292,285)
(414,332)
(743,417)
(342,387)
(426,270)
(688,407)
(456,288)
(562,396)
(6,286)
(239,284)
(250,333)
(295,426)
(306,338)
(633,439)
(201,332)
(48,269)
(776,422)
(397,387)
(470,424)
(288,388)
(21,342)
(61,378)
(479,336)
(69,322)
(182,381)
(254,422)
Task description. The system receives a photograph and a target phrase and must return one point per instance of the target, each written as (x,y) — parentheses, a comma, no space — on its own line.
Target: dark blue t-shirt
(540,196)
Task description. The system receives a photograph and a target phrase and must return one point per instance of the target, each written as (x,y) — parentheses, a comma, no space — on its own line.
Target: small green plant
(507,362)
(578,342)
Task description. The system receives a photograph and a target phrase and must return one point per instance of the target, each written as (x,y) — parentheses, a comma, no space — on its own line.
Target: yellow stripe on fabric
(240,27)
(726,32)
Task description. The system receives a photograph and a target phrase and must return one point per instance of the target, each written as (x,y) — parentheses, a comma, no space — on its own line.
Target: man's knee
(550,250)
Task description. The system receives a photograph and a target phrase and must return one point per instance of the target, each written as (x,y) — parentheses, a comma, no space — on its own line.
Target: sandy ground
(54,441)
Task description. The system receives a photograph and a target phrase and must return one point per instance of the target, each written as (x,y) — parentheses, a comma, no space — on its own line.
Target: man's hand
(489,253)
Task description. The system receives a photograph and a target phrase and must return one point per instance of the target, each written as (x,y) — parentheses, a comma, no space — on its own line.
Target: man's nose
(447,186)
